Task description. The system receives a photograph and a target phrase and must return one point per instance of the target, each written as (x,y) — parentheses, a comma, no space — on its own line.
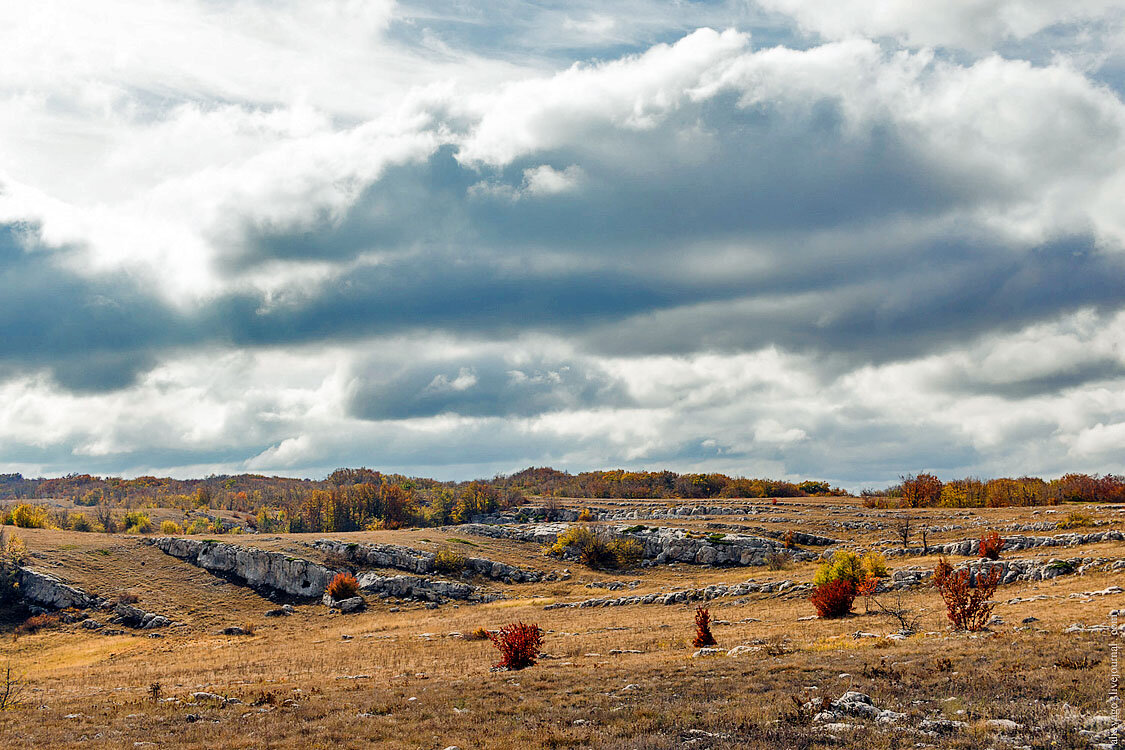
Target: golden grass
(321,679)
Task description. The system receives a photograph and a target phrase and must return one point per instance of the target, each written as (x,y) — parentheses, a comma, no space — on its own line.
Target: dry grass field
(400,675)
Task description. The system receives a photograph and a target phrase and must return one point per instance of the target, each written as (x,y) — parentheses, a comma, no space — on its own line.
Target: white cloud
(971,24)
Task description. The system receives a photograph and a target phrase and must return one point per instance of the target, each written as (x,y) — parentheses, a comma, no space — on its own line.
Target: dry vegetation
(401,675)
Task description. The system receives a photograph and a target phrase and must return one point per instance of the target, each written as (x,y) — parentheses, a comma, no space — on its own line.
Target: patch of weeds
(459,540)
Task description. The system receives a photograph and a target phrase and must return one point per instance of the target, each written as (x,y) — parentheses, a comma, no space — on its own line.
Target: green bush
(136,522)
(844,566)
(597,548)
(79,522)
(449,561)
(28,517)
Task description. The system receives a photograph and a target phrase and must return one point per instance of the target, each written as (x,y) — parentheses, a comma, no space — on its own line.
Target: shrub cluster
(343,586)
(844,577)
(519,644)
(968,608)
(449,561)
(598,548)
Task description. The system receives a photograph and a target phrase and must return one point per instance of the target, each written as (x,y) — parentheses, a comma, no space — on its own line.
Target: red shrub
(36,623)
(519,644)
(968,608)
(343,586)
(990,545)
(703,635)
(834,599)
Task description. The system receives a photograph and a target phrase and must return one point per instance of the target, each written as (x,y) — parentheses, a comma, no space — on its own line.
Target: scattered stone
(283,611)
(234,630)
(708,651)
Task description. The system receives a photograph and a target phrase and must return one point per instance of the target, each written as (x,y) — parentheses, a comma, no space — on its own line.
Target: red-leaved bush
(519,644)
(834,599)
(703,635)
(968,608)
(343,586)
(990,546)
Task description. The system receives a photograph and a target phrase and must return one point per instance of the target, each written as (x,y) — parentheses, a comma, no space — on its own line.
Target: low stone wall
(706,593)
(969,547)
(1011,571)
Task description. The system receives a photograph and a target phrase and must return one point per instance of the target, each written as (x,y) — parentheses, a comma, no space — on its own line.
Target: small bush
(29,517)
(592,549)
(449,561)
(875,565)
(136,522)
(968,608)
(834,598)
(13,554)
(627,553)
(585,515)
(703,637)
(478,634)
(1077,519)
(844,566)
(36,623)
(79,522)
(519,644)
(789,540)
(778,560)
(198,526)
(990,546)
(343,586)
(170,528)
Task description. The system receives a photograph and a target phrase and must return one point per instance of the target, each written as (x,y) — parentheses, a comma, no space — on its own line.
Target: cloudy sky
(843,239)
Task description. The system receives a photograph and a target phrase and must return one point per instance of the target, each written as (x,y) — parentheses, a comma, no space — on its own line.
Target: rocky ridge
(661,545)
(420,561)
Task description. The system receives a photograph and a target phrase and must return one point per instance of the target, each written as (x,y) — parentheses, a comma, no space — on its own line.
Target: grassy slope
(575,698)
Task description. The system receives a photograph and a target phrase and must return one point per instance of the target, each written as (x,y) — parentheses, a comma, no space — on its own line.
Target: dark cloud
(480,387)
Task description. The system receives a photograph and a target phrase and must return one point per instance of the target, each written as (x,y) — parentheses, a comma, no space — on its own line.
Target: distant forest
(355,499)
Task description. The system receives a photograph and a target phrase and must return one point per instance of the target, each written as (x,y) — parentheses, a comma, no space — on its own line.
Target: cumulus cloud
(386,241)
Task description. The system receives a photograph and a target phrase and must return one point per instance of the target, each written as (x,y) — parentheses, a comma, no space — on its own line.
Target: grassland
(399,675)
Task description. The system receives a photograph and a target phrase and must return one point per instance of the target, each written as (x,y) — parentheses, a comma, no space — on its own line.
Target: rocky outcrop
(1011,571)
(420,561)
(528,513)
(135,617)
(661,545)
(258,568)
(45,590)
(970,547)
(422,589)
(683,596)
(274,571)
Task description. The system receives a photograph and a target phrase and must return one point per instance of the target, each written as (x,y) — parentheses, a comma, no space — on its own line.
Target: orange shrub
(703,635)
(36,623)
(990,545)
(343,586)
(519,644)
(834,599)
(968,608)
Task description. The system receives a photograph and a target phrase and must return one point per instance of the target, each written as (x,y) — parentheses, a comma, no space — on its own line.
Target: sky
(833,239)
